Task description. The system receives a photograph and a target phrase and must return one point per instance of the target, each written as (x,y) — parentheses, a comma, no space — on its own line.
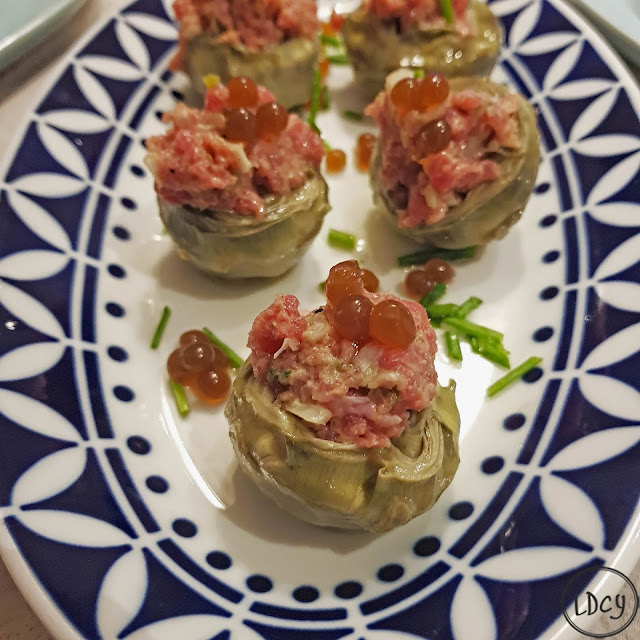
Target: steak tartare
(456,160)
(348,391)
(238,181)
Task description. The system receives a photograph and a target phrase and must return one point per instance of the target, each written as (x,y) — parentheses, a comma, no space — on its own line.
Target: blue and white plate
(121,520)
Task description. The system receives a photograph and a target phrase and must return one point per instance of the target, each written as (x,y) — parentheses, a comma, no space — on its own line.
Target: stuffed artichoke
(353,435)
(459,171)
(275,45)
(382,36)
(239,188)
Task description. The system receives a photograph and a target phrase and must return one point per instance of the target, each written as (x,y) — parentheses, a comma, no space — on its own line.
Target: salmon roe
(433,137)
(414,94)
(200,366)
(241,126)
(271,120)
(364,150)
(344,279)
(336,161)
(419,282)
(356,318)
(392,324)
(243,93)
(351,317)
(370,280)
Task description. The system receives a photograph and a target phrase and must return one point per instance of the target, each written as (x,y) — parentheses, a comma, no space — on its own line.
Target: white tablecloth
(20,89)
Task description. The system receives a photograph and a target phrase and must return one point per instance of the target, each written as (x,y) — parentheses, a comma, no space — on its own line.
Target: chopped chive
(316,90)
(453,346)
(330,41)
(495,353)
(339,59)
(327,146)
(513,375)
(418,74)
(162,325)
(325,99)
(447,11)
(321,287)
(342,240)
(235,360)
(471,329)
(180,397)
(467,307)
(421,257)
(353,115)
(475,344)
(440,311)
(434,295)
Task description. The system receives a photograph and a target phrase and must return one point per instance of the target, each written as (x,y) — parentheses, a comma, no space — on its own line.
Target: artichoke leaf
(341,485)
(487,212)
(229,245)
(376,49)
(285,69)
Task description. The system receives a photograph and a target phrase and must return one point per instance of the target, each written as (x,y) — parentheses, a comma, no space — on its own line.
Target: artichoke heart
(285,69)
(342,485)
(229,245)
(488,211)
(376,49)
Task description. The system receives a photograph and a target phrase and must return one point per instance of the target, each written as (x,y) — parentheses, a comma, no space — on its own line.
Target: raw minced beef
(193,164)
(350,393)
(254,24)
(421,14)
(424,188)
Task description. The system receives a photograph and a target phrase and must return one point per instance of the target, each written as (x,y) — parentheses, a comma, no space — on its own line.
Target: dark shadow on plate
(175,274)
(257,514)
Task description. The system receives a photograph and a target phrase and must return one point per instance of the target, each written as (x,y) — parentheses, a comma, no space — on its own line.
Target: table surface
(20,88)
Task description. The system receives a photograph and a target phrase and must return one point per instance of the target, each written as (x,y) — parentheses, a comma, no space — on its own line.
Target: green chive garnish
(473,330)
(453,346)
(339,59)
(325,98)
(513,375)
(353,115)
(447,11)
(342,240)
(421,257)
(493,352)
(235,360)
(162,325)
(180,397)
(321,287)
(467,307)
(440,311)
(330,41)
(418,74)
(434,295)
(475,344)
(316,90)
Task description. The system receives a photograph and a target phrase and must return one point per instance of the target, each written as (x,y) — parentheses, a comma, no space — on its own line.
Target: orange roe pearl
(176,369)
(198,356)
(336,161)
(240,126)
(433,137)
(271,120)
(364,149)
(392,324)
(418,283)
(406,96)
(189,337)
(345,278)
(439,270)
(351,317)
(434,90)
(243,93)
(370,281)
(212,386)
